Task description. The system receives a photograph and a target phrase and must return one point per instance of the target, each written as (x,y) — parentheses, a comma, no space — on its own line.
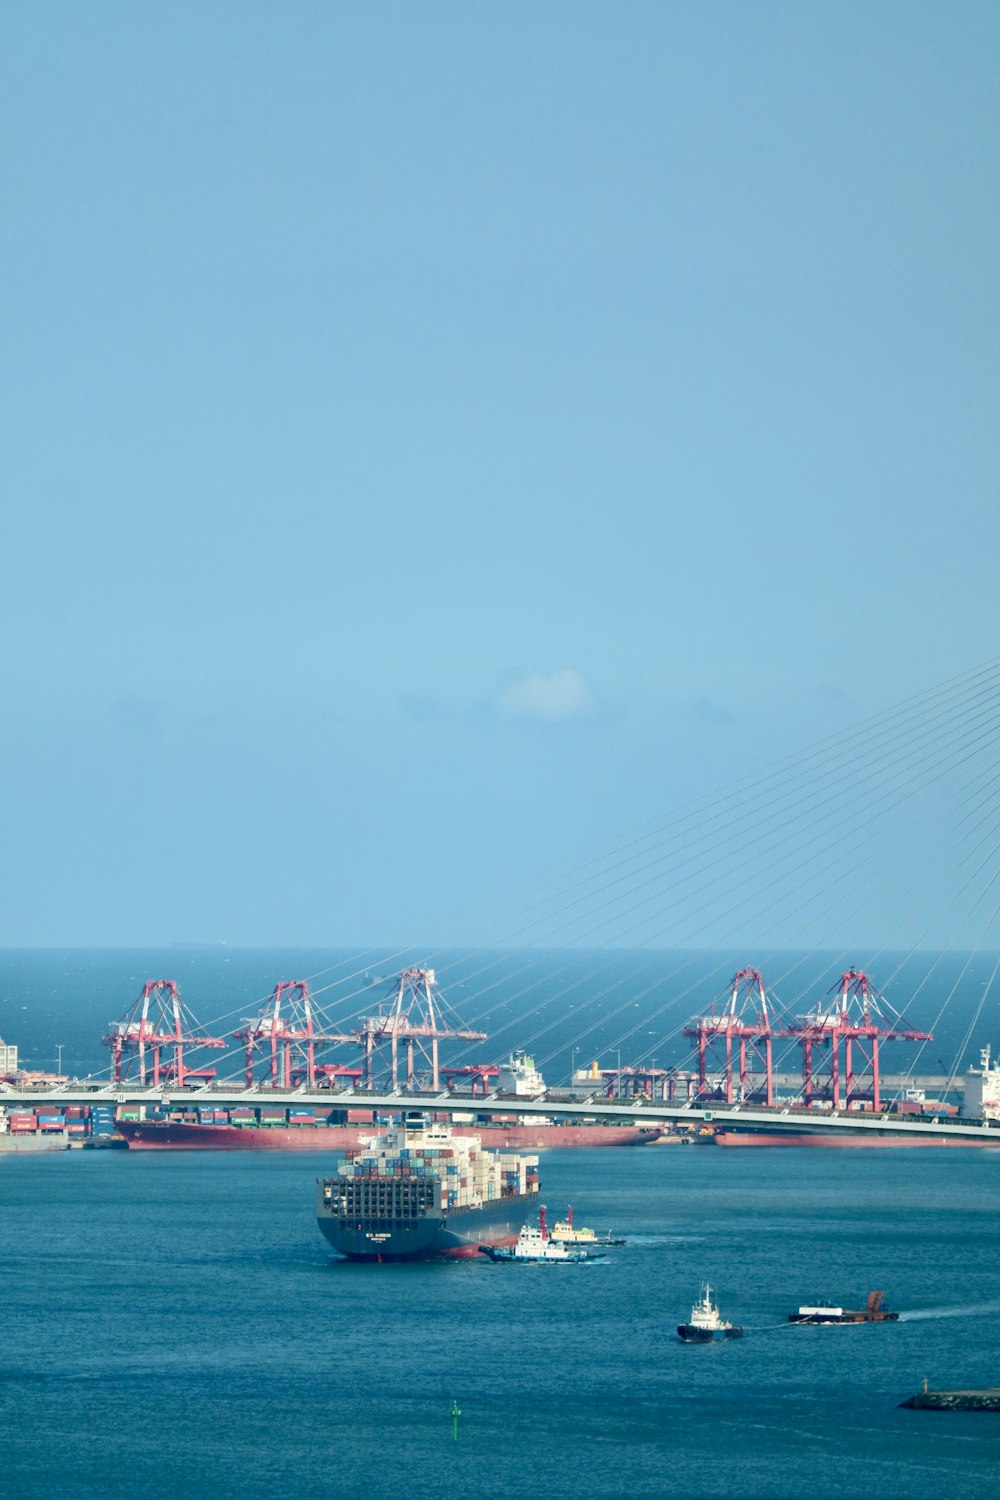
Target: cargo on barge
(875,1310)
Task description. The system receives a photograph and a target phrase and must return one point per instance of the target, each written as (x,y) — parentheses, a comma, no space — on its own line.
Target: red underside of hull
(469,1252)
(525,1136)
(184,1137)
(839,1141)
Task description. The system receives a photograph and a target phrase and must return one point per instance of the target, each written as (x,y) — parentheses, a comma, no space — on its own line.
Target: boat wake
(646,1240)
(965,1311)
(770,1328)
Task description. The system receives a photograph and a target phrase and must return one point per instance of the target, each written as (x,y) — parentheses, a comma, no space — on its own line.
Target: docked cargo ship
(22,1131)
(418,1191)
(183,1135)
(187,1135)
(846,1140)
(849,1140)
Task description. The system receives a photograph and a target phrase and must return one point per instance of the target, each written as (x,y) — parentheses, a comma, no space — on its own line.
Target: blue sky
(440,437)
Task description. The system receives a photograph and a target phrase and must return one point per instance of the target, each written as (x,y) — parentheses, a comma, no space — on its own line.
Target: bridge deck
(784,1117)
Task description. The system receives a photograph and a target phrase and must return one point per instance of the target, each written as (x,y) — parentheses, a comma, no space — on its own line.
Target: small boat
(535,1246)
(565,1232)
(875,1310)
(705,1324)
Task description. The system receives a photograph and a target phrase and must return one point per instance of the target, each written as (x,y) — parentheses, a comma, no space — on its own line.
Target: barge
(875,1310)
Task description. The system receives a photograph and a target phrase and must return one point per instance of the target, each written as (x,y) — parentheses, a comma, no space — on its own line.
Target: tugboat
(535,1246)
(875,1310)
(565,1232)
(705,1324)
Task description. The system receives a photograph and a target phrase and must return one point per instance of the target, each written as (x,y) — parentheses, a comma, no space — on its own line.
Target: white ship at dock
(982,1090)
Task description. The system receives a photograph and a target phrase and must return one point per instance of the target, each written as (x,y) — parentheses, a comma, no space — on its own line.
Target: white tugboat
(705,1324)
(535,1245)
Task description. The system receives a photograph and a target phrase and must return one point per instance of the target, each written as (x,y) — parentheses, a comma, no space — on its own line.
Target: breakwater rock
(986,1399)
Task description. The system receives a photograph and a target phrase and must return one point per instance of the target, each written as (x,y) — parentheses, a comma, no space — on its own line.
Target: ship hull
(688,1334)
(177,1136)
(28,1142)
(540,1137)
(458,1233)
(841,1140)
(502,1255)
(157,1135)
(817,1320)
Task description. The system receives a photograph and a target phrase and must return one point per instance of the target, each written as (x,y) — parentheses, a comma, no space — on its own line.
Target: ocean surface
(175,1325)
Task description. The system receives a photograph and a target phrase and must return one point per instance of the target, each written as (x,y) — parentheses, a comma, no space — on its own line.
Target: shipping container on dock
(103,1122)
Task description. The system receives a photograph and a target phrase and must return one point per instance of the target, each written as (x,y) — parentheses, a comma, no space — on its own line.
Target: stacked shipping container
(468,1176)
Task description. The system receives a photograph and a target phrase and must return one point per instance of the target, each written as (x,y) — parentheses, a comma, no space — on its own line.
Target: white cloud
(551,698)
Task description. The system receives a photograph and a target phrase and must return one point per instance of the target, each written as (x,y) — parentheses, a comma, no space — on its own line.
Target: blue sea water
(174,1324)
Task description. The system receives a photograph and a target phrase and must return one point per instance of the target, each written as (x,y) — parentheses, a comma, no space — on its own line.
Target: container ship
(841,1140)
(419,1191)
(277,1129)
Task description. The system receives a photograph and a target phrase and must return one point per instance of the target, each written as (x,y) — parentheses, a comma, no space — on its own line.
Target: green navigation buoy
(455,1414)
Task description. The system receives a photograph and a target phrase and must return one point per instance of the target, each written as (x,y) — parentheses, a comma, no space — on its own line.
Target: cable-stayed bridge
(872,854)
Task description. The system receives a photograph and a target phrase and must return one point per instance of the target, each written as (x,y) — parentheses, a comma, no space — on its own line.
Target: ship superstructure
(520,1077)
(420,1190)
(565,1232)
(982,1090)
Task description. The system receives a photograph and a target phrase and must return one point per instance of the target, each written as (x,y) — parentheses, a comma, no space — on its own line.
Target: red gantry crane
(480,1077)
(745,1021)
(417,1017)
(290,1027)
(159,1020)
(857,1018)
